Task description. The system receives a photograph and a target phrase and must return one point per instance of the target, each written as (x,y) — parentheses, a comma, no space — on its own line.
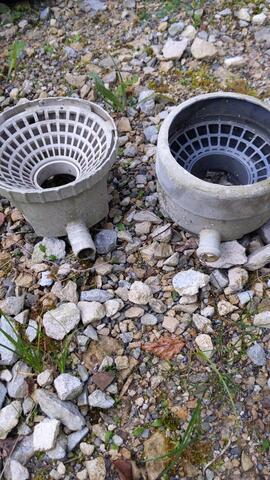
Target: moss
(159,87)
(240,85)
(198,453)
(201,79)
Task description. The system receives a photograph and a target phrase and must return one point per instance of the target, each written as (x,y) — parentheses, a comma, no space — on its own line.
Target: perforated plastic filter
(223,146)
(66,141)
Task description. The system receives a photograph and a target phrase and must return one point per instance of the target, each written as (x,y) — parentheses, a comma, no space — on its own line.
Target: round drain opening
(55,173)
(220,168)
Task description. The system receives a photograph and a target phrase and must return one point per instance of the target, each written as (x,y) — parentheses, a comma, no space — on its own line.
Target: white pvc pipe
(209,245)
(80,240)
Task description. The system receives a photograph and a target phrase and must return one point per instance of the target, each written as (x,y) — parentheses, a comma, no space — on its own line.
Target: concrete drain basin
(213,168)
(55,155)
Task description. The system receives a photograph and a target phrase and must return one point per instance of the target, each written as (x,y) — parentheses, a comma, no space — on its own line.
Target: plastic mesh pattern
(48,133)
(225,139)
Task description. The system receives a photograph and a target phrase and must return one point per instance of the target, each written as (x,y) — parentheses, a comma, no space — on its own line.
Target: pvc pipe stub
(80,240)
(209,245)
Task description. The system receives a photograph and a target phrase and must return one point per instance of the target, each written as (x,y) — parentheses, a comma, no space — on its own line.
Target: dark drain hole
(221,169)
(58,180)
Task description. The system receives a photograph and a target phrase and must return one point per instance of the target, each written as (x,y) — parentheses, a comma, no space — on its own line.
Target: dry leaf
(165,348)
(124,469)
(7,445)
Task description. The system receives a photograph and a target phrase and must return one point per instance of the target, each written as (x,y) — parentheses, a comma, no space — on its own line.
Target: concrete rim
(183,176)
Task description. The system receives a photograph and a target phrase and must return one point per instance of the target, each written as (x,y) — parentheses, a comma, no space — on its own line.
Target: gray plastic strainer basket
(55,155)
(222,145)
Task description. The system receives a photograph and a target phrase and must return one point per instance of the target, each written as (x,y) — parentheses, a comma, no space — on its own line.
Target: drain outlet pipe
(209,245)
(80,240)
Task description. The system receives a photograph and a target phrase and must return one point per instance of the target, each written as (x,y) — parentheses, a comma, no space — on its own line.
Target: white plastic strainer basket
(55,155)
(63,136)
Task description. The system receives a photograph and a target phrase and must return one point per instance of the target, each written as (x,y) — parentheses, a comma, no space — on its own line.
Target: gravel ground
(159,375)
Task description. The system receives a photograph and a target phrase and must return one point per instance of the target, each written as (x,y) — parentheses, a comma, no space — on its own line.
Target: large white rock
(60,321)
(139,293)
(96,469)
(67,386)
(45,434)
(91,311)
(18,471)
(173,50)
(9,418)
(188,282)
(7,354)
(202,49)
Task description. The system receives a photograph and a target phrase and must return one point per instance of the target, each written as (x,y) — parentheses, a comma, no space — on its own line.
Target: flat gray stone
(3,392)
(263,35)
(75,438)
(66,412)
(99,399)
(59,452)
(257,355)
(18,387)
(258,259)
(12,305)
(24,450)
(149,319)
(105,241)
(93,6)
(265,232)
(219,279)
(96,295)
(146,102)
(176,28)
